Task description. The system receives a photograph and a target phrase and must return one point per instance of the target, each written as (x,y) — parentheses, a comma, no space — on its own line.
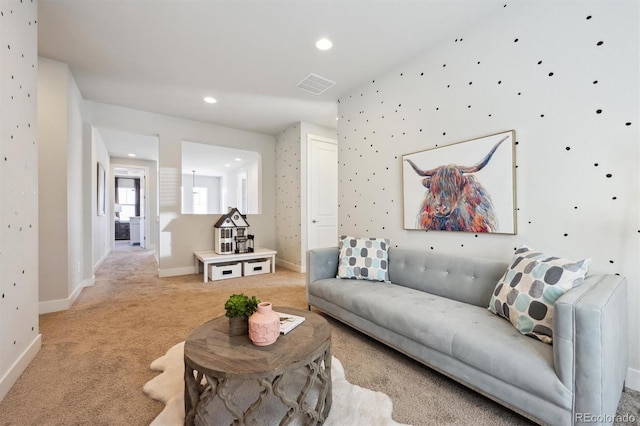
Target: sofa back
(466,279)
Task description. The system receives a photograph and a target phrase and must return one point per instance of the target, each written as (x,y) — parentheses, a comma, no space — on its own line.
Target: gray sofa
(435,311)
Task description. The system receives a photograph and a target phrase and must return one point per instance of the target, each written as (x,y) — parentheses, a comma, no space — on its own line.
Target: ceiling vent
(313,83)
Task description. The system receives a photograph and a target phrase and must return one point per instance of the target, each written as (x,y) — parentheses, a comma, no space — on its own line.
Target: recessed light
(238,159)
(210,100)
(131,155)
(227,165)
(324,44)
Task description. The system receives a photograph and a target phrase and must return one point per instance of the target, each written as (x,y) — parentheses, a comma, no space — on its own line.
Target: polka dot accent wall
(288,195)
(18,183)
(572,101)
(570,95)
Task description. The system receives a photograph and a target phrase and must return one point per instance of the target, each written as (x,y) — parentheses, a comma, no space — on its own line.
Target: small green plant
(240,305)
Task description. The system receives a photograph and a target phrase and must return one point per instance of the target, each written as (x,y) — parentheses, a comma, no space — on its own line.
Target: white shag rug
(352,405)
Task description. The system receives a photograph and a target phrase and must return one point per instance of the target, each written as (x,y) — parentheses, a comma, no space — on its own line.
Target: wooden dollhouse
(232,234)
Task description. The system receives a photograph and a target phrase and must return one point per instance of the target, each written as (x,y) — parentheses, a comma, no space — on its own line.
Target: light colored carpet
(352,404)
(95,356)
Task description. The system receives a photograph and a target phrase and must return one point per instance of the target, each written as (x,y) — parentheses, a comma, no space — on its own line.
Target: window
(127,197)
(200,200)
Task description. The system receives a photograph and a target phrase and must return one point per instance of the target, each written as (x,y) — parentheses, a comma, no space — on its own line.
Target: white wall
(65,182)
(75,180)
(19,332)
(180,235)
(533,68)
(102,226)
(53,156)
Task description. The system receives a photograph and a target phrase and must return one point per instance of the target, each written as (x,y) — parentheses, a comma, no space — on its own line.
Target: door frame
(144,201)
(305,199)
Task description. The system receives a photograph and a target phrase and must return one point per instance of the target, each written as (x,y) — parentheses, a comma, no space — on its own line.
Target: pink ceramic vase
(264,325)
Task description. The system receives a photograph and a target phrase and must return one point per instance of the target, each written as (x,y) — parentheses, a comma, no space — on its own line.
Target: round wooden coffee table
(229,380)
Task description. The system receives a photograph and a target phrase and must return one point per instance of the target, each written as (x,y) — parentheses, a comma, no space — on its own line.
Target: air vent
(315,84)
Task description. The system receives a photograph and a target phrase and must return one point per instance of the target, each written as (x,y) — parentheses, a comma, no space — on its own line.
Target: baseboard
(290,266)
(633,379)
(19,366)
(101,260)
(174,272)
(89,282)
(49,306)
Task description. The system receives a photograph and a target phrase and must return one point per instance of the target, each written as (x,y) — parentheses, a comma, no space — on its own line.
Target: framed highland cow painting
(466,186)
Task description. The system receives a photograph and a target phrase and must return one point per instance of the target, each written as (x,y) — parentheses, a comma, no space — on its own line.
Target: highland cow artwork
(467,186)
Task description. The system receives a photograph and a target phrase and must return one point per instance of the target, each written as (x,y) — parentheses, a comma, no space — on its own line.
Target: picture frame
(467,186)
(101,201)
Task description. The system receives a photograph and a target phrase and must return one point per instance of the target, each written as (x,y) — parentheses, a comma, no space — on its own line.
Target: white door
(322,195)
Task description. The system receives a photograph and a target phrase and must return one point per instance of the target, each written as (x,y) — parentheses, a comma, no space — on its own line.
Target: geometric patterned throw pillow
(364,259)
(527,291)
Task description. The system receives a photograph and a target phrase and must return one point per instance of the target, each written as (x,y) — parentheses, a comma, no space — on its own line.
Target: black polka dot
(609,175)
(515,41)
(588,17)
(598,111)
(550,74)
(600,43)
(568,148)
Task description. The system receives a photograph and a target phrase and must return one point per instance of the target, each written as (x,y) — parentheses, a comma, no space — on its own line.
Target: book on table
(288,322)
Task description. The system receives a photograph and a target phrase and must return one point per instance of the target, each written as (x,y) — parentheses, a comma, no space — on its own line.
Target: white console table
(208,257)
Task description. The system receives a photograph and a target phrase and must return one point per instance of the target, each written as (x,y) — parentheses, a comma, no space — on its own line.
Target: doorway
(132,156)
(130,187)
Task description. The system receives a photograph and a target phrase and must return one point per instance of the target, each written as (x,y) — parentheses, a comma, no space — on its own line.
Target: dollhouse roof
(233,219)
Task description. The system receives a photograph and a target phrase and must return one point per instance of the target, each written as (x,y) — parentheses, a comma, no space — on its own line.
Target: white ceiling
(123,144)
(164,56)
(212,160)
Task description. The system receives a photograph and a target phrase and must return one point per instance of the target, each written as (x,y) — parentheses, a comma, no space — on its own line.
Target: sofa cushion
(527,291)
(459,330)
(363,259)
(466,279)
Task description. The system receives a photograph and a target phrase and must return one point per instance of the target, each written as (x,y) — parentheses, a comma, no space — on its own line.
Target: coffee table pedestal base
(298,394)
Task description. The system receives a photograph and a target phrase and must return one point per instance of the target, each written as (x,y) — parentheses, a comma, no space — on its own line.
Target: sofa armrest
(322,263)
(590,344)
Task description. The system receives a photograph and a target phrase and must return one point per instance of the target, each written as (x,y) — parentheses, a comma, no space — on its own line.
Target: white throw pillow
(527,291)
(363,258)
